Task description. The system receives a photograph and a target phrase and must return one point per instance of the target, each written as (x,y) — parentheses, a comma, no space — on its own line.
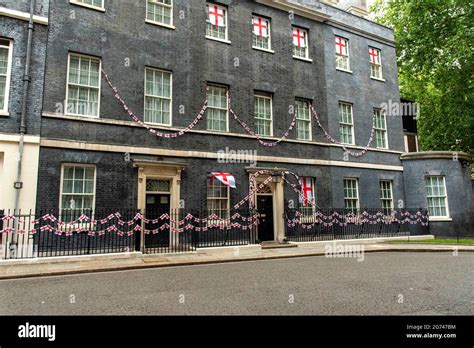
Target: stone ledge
(435,155)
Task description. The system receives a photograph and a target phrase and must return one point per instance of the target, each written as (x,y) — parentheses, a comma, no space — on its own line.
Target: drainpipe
(26,84)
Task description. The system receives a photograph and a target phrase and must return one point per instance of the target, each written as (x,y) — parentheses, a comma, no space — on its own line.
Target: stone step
(276,245)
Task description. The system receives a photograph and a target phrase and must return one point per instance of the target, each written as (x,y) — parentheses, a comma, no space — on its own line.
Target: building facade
(208,81)
(14,24)
(23,36)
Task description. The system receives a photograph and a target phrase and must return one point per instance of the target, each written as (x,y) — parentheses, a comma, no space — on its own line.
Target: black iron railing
(48,233)
(332,223)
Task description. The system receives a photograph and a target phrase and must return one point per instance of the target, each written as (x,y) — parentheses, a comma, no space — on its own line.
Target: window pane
(68,173)
(83,89)
(67,186)
(436,195)
(74,69)
(159,11)
(217,108)
(77,188)
(217,198)
(3,81)
(213,30)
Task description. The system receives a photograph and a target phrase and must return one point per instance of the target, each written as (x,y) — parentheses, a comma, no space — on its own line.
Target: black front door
(157,211)
(265,209)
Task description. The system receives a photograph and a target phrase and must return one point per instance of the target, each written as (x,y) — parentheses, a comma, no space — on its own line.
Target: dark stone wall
(17,30)
(41,6)
(369,194)
(120,36)
(458,191)
(195,60)
(117,180)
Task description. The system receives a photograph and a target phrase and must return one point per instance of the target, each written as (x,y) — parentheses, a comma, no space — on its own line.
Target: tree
(435,52)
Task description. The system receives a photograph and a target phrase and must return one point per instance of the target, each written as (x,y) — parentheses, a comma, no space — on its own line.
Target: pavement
(383,283)
(37,267)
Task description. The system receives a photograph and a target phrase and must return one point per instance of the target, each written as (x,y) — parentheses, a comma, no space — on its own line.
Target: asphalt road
(384,284)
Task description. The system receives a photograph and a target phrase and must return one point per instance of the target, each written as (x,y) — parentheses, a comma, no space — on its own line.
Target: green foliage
(435,52)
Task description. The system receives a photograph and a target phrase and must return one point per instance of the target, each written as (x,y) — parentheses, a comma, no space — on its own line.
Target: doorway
(157,211)
(265,209)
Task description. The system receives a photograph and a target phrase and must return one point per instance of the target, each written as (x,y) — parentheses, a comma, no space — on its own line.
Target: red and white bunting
(344,146)
(241,123)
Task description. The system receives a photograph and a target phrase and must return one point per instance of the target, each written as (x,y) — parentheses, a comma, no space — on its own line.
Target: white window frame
(384,130)
(345,123)
(67,85)
(226,18)
(445,196)
(213,107)
(264,96)
(269,25)
(81,165)
(339,55)
(357,198)
(93,7)
(385,199)
(302,119)
(151,21)
(227,199)
(306,36)
(154,96)
(4,111)
(379,51)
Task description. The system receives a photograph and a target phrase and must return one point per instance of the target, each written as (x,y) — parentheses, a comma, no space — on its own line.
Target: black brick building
(165,57)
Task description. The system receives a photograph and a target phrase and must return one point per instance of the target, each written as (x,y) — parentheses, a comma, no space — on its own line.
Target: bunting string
(308,221)
(246,128)
(344,146)
(183,131)
(256,135)
(85,224)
